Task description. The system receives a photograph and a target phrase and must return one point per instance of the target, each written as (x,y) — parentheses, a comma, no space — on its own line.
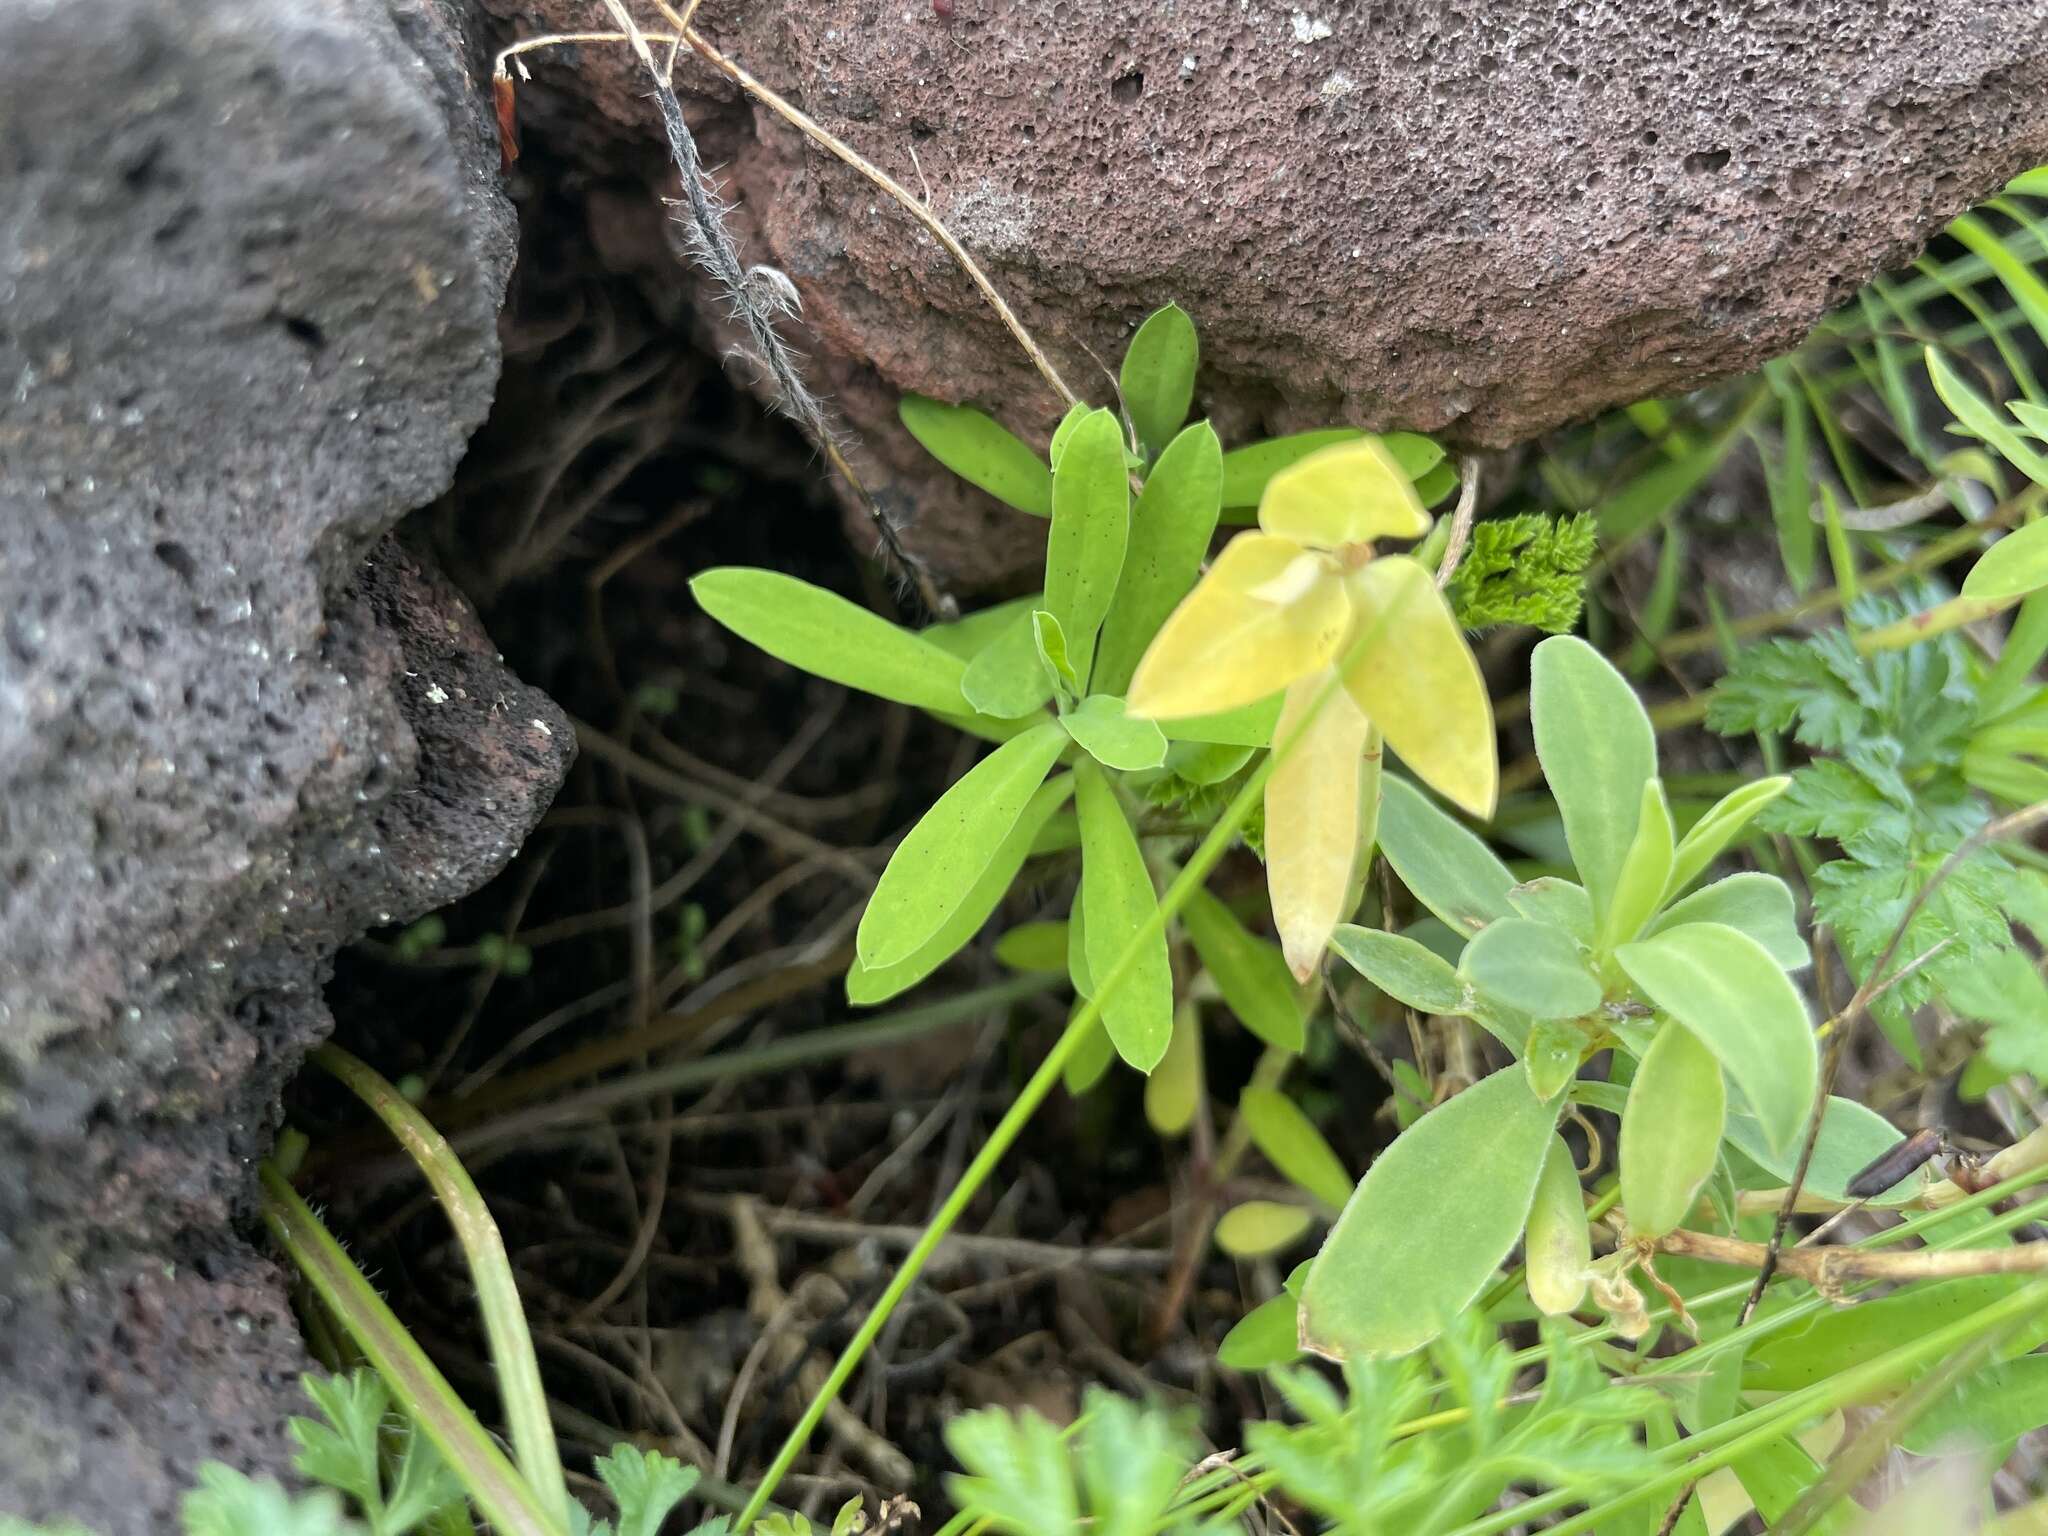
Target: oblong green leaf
(1294,1146)
(866,985)
(1201,762)
(1645,870)
(1984,419)
(1559,1244)
(1076,414)
(1551,1056)
(1408,972)
(1670,1131)
(1985,1410)
(1774,1476)
(1429,1223)
(2013,567)
(825,635)
(1039,946)
(1597,749)
(1263,1338)
(1725,987)
(1049,640)
(1111,737)
(1547,899)
(1006,679)
(1088,1061)
(1138,1010)
(1260,1227)
(935,867)
(1251,974)
(1174,1089)
(1249,725)
(1444,865)
(1091,519)
(1852,1137)
(1157,379)
(1171,525)
(981,452)
(1531,967)
(1723,823)
(1829,1343)
(1757,904)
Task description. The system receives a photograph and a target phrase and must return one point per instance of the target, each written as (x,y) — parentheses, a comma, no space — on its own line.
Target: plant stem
(505,1499)
(1041,1082)
(497,1292)
(1005,1133)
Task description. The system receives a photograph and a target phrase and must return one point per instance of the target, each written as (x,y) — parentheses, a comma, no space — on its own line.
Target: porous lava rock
(251,253)
(1481,218)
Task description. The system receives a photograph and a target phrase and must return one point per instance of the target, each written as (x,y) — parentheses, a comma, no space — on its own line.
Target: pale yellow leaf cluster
(1302,605)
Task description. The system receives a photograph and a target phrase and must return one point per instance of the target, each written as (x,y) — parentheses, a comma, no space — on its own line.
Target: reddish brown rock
(1475,219)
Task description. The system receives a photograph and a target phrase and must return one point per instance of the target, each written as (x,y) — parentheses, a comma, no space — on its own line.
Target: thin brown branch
(1829,1269)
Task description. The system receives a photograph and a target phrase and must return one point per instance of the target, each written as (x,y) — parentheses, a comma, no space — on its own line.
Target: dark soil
(632,1210)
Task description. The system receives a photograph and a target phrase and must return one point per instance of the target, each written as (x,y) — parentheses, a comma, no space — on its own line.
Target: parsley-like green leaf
(645,1485)
(228,1504)
(1524,569)
(345,1453)
(1834,699)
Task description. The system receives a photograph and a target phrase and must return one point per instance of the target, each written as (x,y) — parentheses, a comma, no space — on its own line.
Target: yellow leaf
(1225,647)
(1343,495)
(1175,1086)
(1368,815)
(1313,802)
(1420,684)
(1260,1227)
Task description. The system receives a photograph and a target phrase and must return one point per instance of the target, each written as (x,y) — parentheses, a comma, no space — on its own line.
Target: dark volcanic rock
(1481,219)
(250,255)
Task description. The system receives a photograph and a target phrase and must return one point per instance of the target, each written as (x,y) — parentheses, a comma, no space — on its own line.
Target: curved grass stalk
(512,1357)
(502,1496)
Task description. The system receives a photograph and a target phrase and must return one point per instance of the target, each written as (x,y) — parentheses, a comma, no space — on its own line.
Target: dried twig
(1461,520)
(786,1350)
(754,298)
(814,131)
(1829,1269)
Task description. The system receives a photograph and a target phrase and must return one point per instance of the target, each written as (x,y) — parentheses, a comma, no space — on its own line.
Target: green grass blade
(497,1293)
(499,1492)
